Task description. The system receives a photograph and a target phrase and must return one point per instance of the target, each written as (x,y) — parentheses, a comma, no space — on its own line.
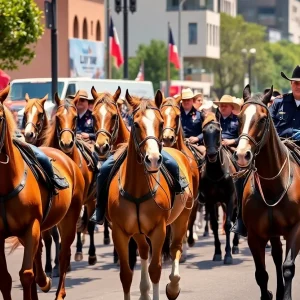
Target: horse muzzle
(243,158)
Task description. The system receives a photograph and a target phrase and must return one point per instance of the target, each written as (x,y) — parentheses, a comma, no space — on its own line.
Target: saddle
(119,159)
(294,149)
(87,153)
(200,159)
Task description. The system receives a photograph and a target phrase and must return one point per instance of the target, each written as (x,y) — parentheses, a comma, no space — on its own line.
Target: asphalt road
(201,278)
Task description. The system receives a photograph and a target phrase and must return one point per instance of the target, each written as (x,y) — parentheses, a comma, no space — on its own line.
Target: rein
(2,140)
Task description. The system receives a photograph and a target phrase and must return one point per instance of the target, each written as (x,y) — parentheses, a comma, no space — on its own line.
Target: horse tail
(14,242)
(166,246)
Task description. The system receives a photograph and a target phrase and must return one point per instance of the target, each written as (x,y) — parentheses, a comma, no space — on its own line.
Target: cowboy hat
(239,101)
(82,95)
(295,75)
(187,94)
(227,99)
(207,104)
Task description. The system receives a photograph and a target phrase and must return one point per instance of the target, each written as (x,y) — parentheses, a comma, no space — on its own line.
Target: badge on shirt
(88,122)
(194,116)
(281,112)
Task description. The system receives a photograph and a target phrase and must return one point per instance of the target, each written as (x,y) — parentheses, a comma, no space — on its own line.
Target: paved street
(201,278)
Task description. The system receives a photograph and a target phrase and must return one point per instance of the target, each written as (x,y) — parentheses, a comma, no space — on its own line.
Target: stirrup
(239,228)
(94,219)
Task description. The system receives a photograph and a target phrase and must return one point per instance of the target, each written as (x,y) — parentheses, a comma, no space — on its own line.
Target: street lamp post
(181,69)
(249,59)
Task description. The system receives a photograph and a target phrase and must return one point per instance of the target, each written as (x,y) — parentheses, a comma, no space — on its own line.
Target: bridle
(2,135)
(114,135)
(72,132)
(176,131)
(216,124)
(39,125)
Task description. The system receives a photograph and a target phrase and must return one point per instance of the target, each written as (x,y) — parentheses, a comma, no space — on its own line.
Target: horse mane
(211,117)
(10,121)
(170,101)
(105,98)
(145,103)
(257,98)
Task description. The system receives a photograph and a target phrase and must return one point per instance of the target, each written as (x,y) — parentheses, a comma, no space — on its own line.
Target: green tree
(229,70)
(20,28)
(154,56)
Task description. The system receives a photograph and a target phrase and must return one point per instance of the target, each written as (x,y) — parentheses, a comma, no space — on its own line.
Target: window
(172,4)
(92,28)
(71,90)
(98,31)
(85,30)
(75,28)
(193,34)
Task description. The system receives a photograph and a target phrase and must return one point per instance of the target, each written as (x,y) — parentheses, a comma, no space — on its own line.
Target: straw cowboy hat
(239,101)
(295,75)
(187,94)
(82,95)
(207,104)
(227,99)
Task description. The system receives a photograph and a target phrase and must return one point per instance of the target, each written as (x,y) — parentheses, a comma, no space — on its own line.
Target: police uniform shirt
(230,128)
(191,123)
(286,116)
(85,124)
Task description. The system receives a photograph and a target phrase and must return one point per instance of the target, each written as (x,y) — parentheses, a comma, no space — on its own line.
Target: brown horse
(173,137)
(21,192)
(149,209)
(271,196)
(36,125)
(62,135)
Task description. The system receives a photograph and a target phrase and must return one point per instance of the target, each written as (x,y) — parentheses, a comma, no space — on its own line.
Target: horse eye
(263,120)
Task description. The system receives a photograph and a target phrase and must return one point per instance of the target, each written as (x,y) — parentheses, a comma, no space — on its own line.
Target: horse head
(35,117)
(66,123)
(146,132)
(212,136)
(106,117)
(254,124)
(170,111)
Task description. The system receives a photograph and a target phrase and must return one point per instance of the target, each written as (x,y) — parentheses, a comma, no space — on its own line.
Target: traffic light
(132,5)
(118,6)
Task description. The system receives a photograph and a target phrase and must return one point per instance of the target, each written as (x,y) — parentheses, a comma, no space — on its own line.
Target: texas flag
(115,48)
(141,76)
(173,52)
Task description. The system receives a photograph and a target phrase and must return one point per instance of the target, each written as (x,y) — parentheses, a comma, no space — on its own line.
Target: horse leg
(132,247)
(215,229)
(229,208)
(143,247)
(48,243)
(157,238)
(191,240)
(55,235)
(236,240)
(257,246)
(121,241)
(116,257)
(206,218)
(78,255)
(92,248)
(277,258)
(225,219)
(31,241)
(43,281)
(106,239)
(292,250)
(6,281)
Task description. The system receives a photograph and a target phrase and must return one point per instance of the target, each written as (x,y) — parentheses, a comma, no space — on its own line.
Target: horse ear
(43,100)
(4,93)
(26,97)
(159,97)
(268,96)
(178,99)
(94,93)
(117,94)
(132,102)
(247,93)
(76,99)
(57,100)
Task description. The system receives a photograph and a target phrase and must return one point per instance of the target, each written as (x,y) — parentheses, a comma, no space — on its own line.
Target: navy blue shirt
(230,128)
(85,124)
(286,116)
(191,123)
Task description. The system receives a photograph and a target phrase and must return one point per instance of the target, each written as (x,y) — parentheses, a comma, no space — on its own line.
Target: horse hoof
(227,260)
(92,260)
(268,246)
(270,296)
(191,243)
(55,273)
(78,256)
(48,274)
(206,234)
(106,241)
(235,250)
(48,285)
(217,257)
(169,296)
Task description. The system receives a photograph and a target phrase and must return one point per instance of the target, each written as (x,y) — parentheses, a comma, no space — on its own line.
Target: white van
(39,87)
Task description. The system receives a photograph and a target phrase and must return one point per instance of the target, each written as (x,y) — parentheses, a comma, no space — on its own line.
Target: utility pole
(51,23)
(107,42)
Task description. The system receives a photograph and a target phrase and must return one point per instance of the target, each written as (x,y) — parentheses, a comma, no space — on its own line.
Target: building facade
(82,19)
(281,17)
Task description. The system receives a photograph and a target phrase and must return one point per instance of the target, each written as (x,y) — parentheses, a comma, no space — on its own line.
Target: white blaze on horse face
(169,118)
(103,112)
(148,120)
(249,113)
(29,128)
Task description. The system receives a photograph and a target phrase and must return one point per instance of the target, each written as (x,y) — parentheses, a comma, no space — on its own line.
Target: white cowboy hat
(207,104)
(187,94)
(227,99)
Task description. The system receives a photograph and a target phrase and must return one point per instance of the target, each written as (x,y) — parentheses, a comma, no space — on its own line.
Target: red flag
(173,52)
(4,80)
(115,49)
(141,76)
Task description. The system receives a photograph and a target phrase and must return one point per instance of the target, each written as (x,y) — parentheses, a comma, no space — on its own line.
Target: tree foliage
(154,56)
(20,28)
